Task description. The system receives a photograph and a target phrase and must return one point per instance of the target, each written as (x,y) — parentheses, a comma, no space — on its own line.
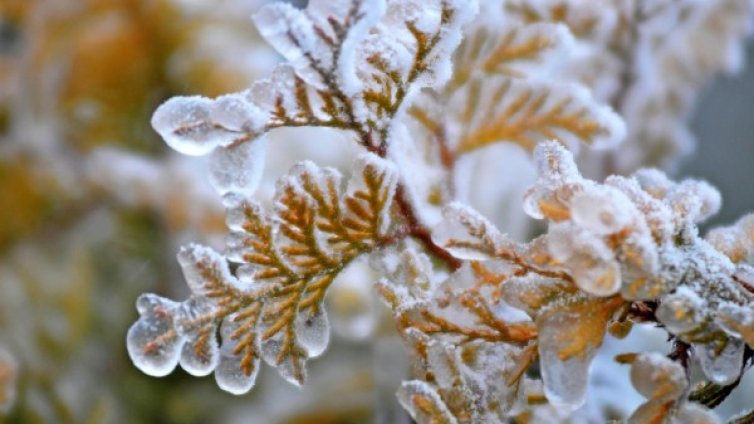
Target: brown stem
(417,230)
(681,355)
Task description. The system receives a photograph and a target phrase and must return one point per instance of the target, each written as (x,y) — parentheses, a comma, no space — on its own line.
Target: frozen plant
(497,329)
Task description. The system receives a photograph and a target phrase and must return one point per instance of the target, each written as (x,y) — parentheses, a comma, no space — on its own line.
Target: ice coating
(200,353)
(681,311)
(653,374)
(313,331)
(602,210)
(153,343)
(721,366)
(565,380)
(607,239)
(290,31)
(186,125)
(238,168)
(229,373)
(413,390)
(291,367)
(467,234)
(693,413)
(591,262)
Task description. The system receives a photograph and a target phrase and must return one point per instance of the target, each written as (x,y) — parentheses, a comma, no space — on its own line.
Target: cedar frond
(272,308)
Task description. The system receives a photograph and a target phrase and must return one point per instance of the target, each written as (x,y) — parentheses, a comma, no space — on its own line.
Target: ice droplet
(313,331)
(602,210)
(238,168)
(230,376)
(199,355)
(600,279)
(235,206)
(653,374)
(152,342)
(723,368)
(293,365)
(229,373)
(680,311)
(565,381)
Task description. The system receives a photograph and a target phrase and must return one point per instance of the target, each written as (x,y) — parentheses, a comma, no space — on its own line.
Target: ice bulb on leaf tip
(680,311)
(313,331)
(186,125)
(565,380)
(232,374)
(199,358)
(600,279)
(235,113)
(199,355)
(602,211)
(238,168)
(153,343)
(291,366)
(653,374)
(721,368)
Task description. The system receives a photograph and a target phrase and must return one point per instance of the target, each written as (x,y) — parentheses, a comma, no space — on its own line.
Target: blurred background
(93,207)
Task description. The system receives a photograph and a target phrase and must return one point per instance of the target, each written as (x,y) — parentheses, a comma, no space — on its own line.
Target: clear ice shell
(653,373)
(463,229)
(410,389)
(186,126)
(236,113)
(292,367)
(238,168)
(229,374)
(681,310)
(722,369)
(602,211)
(565,382)
(313,331)
(153,343)
(199,355)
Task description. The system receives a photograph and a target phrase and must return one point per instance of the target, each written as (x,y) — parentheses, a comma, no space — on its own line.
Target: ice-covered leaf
(271,307)
(351,65)
(169,332)
(424,404)
(237,168)
(197,125)
(153,342)
(468,235)
(570,332)
(663,383)
(721,365)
